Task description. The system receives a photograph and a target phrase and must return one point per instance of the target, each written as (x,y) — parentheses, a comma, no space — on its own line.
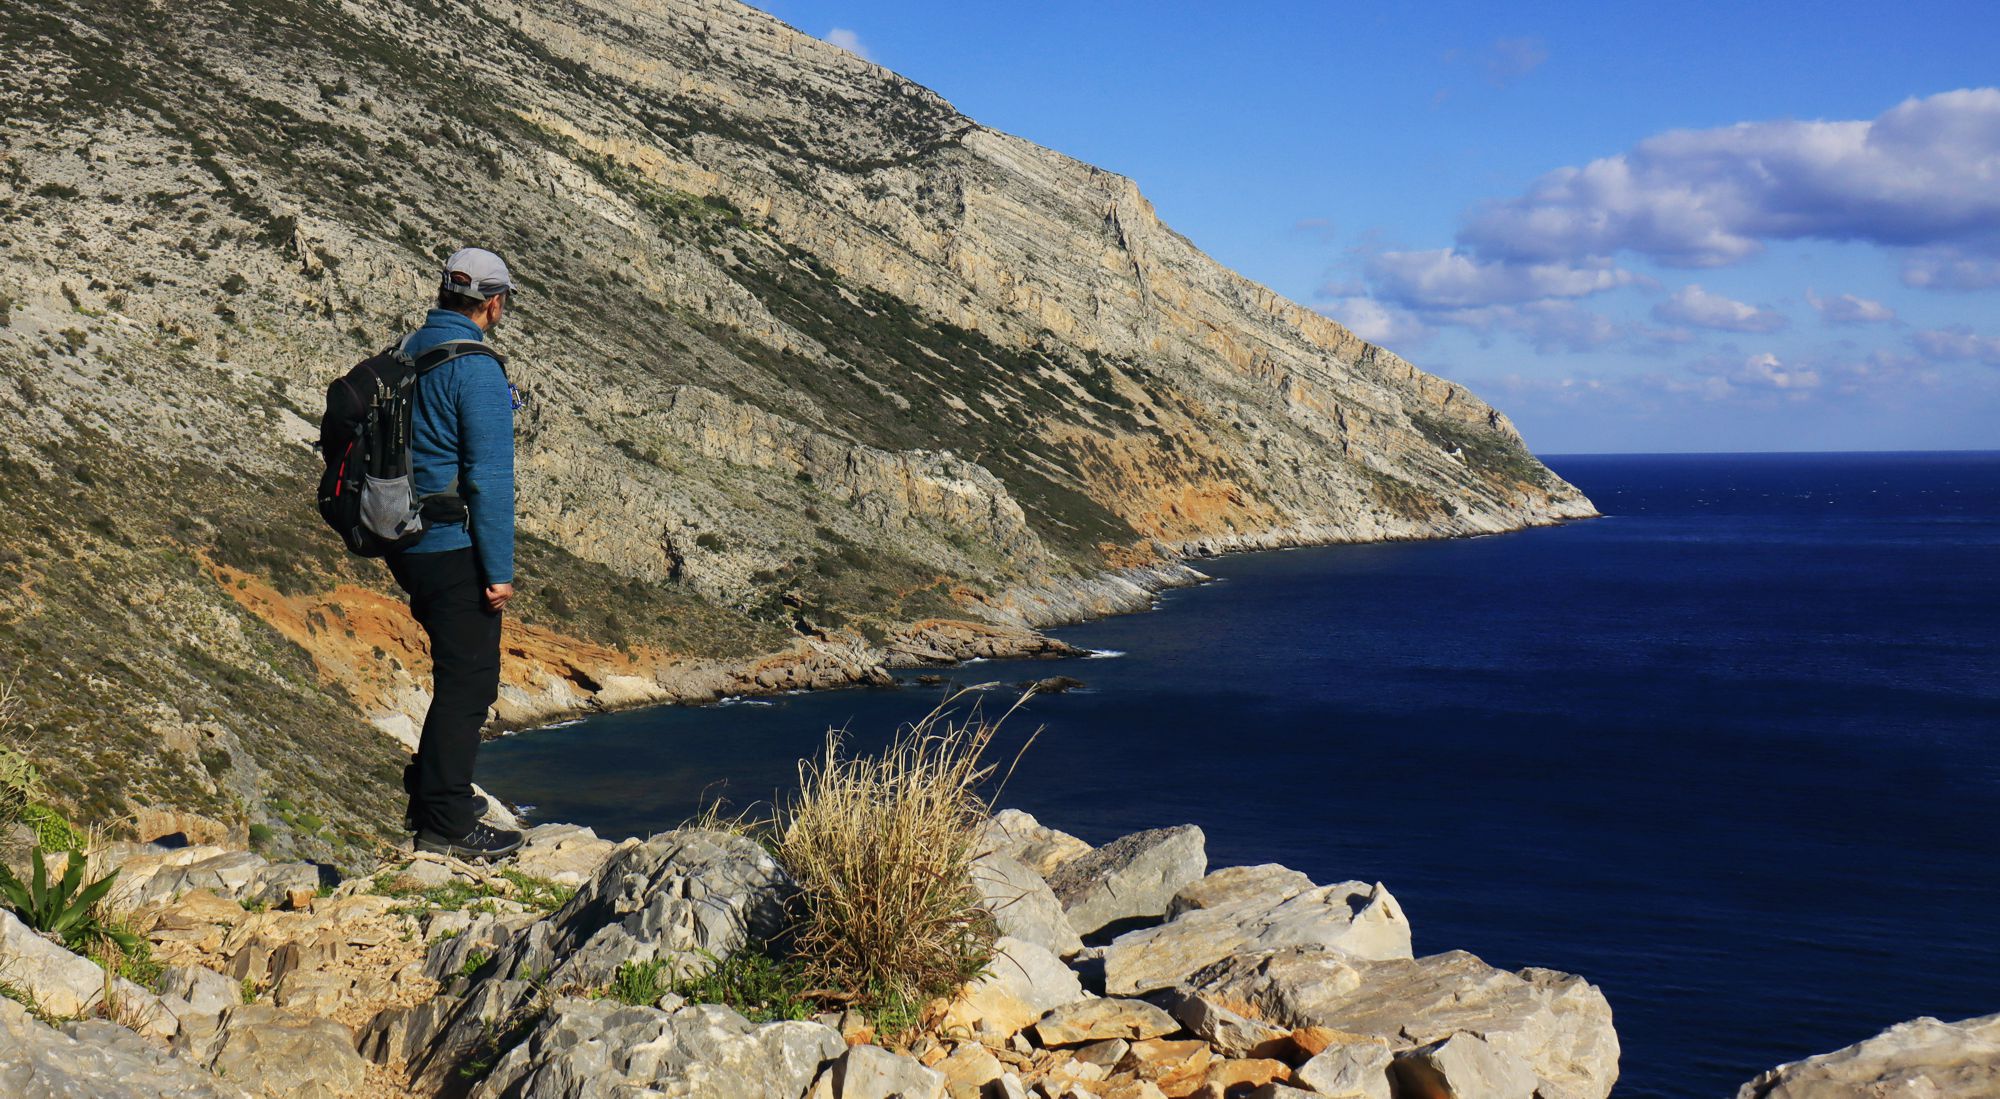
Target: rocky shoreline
(820,659)
(824,660)
(1128,971)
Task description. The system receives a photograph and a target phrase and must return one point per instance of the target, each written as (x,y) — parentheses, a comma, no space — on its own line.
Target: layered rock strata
(824,377)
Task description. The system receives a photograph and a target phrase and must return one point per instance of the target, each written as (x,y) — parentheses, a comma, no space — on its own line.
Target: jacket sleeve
(486,464)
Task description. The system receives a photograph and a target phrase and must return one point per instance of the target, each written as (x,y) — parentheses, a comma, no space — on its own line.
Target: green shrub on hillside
(53,830)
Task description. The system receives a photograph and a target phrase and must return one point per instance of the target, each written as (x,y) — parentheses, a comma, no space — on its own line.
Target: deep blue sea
(1732,751)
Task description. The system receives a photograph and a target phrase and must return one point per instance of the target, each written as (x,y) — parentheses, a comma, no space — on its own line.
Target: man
(460,573)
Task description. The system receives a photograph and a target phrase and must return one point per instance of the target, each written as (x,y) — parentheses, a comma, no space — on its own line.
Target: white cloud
(1957,344)
(1694,306)
(1848,309)
(1692,392)
(1446,278)
(1922,174)
(1767,371)
(1546,325)
(850,41)
(1949,268)
(1879,372)
(1375,322)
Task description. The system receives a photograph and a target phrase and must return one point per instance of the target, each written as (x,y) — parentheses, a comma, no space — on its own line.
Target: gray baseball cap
(476,273)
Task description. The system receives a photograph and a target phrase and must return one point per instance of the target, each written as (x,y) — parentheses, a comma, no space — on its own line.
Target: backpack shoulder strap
(450,350)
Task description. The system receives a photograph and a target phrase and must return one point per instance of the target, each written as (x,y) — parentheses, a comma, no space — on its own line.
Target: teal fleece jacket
(463,429)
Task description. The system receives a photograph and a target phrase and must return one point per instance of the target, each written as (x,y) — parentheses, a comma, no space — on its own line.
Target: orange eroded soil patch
(1155,492)
(367,642)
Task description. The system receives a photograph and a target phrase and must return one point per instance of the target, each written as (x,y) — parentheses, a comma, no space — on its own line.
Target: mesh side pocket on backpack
(389,508)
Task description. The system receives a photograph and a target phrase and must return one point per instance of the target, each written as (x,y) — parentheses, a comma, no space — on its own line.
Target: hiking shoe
(410,813)
(482,843)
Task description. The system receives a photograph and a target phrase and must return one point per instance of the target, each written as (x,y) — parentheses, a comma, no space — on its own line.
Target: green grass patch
(758,985)
(754,981)
(133,961)
(537,894)
(540,894)
(474,962)
(1489,451)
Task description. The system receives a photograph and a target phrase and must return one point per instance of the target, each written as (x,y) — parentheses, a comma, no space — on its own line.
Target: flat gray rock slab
(1349,1070)
(206,991)
(1101,1019)
(279,1054)
(1920,1059)
(602,1049)
(98,1061)
(1236,886)
(1021,837)
(1022,905)
(1023,982)
(1359,918)
(1464,1065)
(1559,1024)
(563,853)
(1132,877)
(1232,1033)
(1032,974)
(62,983)
(871,1072)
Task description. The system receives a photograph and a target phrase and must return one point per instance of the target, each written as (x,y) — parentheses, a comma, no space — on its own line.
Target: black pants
(448,598)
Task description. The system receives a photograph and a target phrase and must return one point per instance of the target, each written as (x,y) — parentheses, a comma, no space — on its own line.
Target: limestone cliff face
(813,361)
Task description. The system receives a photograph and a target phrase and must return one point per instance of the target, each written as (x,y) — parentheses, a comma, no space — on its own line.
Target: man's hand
(497,596)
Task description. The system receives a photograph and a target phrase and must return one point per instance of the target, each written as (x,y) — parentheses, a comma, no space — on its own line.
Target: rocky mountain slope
(823,376)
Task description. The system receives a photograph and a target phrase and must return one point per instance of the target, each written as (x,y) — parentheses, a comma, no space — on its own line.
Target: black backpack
(367,494)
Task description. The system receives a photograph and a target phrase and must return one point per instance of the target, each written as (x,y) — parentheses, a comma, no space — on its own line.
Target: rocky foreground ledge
(1122,972)
(1920,1059)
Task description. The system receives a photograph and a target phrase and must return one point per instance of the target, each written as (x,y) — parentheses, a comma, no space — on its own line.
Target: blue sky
(1633,227)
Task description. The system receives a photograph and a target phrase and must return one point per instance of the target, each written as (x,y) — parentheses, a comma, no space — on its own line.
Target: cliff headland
(823,377)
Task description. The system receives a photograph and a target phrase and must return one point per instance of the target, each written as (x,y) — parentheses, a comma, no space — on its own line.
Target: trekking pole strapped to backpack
(368,492)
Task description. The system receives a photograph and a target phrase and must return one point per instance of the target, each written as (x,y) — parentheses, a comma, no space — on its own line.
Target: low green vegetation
(22,791)
(536,894)
(540,894)
(585,599)
(1397,496)
(474,962)
(134,962)
(641,983)
(66,908)
(761,984)
(95,680)
(1487,452)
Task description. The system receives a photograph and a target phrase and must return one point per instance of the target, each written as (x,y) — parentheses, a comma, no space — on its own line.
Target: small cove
(1728,752)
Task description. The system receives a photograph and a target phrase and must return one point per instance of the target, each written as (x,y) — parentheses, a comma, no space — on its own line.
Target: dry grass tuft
(718,815)
(882,848)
